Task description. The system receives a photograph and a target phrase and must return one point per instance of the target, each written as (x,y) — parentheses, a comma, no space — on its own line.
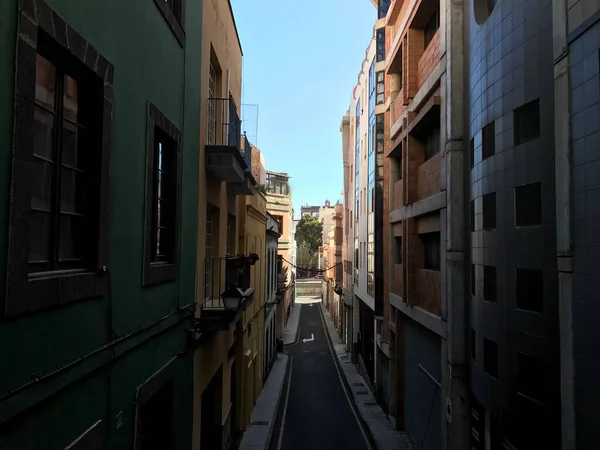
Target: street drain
(260,422)
(357,384)
(362,392)
(370,403)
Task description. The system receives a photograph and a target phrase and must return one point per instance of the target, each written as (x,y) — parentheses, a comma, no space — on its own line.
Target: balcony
(227,293)
(225,160)
(246,187)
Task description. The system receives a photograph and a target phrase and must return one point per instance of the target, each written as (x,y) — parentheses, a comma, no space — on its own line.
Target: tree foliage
(309,233)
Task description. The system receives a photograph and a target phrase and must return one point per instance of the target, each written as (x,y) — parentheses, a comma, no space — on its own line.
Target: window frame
(177,25)
(25,294)
(160,272)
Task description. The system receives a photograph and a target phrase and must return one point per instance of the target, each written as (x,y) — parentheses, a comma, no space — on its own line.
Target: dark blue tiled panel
(510,63)
(585,144)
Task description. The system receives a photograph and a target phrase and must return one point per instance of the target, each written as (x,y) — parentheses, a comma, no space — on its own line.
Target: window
(489,211)
(380,88)
(488,141)
(431,27)
(473,344)
(277,184)
(432,142)
(59,216)
(472,153)
(472,215)
(527,122)
(528,205)
(530,290)
(163,181)
(398,240)
(380,44)
(279,220)
(473,280)
(431,250)
(382,8)
(489,283)
(173,12)
(490,358)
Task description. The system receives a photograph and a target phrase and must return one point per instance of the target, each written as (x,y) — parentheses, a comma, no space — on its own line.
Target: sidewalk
(264,414)
(384,435)
(290,334)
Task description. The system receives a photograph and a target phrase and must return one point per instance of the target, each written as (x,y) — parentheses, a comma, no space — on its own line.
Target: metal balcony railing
(221,274)
(224,124)
(247,153)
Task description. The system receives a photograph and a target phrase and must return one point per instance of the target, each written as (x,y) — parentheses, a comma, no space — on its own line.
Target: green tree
(309,232)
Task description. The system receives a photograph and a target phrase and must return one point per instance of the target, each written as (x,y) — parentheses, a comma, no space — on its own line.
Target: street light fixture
(232,298)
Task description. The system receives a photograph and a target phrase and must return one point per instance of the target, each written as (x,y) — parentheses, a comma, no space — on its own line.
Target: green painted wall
(150,65)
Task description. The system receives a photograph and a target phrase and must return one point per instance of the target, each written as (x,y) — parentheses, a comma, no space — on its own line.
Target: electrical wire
(312,269)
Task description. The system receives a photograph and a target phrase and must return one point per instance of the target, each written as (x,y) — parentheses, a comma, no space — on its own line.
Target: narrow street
(317,413)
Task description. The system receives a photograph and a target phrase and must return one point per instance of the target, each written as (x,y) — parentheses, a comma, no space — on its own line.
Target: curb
(258,434)
(364,425)
(387,436)
(297,331)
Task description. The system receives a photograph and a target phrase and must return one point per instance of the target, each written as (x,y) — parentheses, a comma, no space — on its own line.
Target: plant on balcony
(240,260)
(261,188)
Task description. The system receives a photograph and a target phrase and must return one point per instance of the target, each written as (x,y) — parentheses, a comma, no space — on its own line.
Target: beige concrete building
(225,181)
(279,204)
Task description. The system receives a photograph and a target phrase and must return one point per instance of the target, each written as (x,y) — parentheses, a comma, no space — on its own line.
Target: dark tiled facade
(509,64)
(584,56)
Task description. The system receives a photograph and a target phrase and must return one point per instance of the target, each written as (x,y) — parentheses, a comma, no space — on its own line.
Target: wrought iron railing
(224,124)
(247,153)
(221,274)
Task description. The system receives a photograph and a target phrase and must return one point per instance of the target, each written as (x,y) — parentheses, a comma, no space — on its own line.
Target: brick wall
(428,177)
(428,290)
(399,105)
(413,158)
(414,51)
(398,285)
(398,194)
(258,170)
(429,59)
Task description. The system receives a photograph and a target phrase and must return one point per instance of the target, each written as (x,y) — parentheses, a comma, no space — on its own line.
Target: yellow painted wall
(220,44)
(253,221)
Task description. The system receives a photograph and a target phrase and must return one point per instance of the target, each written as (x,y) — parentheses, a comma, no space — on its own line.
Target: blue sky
(301,60)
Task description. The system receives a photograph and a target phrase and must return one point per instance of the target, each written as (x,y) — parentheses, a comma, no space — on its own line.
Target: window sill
(173,23)
(157,273)
(40,293)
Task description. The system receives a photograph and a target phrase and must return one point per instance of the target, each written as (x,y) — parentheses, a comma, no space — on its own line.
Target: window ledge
(39,293)
(173,23)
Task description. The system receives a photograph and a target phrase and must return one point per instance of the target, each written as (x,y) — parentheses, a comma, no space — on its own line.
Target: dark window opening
(382,8)
(530,290)
(398,240)
(431,250)
(64,182)
(488,140)
(472,153)
(231,235)
(432,26)
(527,122)
(532,374)
(432,142)
(279,220)
(164,198)
(490,358)
(489,211)
(473,344)
(489,283)
(155,420)
(473,279)
(472,215)
(528,205)
(277,184)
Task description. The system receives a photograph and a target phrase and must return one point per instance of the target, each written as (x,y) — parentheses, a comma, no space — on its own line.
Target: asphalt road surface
(317,413)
